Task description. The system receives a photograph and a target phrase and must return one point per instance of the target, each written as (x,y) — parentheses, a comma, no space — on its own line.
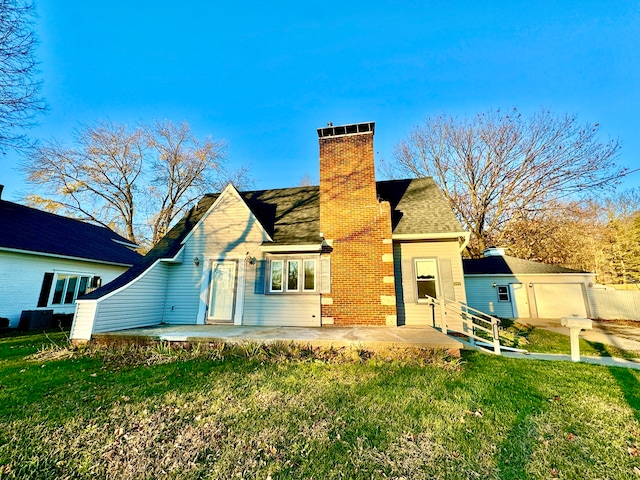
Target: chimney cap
(351,129)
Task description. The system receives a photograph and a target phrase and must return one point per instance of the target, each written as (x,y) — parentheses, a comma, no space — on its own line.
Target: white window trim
(508,293)
(286,260)
(289,262)
(57,275)
(315,275)
(415,277)
(283,274)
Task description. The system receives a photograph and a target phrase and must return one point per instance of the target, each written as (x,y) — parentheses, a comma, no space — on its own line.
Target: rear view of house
(47,261)
(352,251)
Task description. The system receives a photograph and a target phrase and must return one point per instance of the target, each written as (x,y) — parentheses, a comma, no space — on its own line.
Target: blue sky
(264,75)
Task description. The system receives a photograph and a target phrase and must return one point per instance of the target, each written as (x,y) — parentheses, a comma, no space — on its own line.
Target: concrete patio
(363,337)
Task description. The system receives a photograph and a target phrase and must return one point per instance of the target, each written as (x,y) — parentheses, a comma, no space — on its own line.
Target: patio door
(223,292)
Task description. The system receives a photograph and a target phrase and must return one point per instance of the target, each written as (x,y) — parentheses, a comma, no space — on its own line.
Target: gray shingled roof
(31,230)
(506,265)
(291,216)
(418,206)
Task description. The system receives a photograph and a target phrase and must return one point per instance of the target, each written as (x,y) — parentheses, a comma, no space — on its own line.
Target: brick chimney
(356,227)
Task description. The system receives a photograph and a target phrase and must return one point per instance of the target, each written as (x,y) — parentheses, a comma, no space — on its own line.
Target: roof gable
(229,191)
(26,229)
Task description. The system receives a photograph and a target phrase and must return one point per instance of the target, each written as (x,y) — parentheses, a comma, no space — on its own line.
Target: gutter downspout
(466,238)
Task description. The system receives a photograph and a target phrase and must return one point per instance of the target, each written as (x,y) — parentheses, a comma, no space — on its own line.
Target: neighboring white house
(47,261)
(351,251)
(509,287)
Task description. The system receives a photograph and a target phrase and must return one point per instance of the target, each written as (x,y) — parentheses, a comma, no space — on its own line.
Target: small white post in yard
(575,324)
(443,314)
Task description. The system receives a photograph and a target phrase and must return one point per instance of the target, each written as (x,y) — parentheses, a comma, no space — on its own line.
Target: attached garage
(510,287)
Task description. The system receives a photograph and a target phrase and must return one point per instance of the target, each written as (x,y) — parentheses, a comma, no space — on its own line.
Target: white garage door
(554,300)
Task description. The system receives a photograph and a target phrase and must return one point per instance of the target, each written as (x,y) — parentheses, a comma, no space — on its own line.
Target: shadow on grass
(630,387)
(601,349)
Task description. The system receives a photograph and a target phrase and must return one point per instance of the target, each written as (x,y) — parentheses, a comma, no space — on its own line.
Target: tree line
(530,183)
(135,180)
(540,185)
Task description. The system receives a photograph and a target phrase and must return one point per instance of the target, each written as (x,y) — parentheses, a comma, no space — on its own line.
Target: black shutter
(47,281)
(261,266)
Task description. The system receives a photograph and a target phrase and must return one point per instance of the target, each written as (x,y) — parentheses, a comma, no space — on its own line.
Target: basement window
(503,293)
(292,275)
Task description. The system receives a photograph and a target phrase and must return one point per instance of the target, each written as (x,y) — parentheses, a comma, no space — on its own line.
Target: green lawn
(543,341)
(288,412)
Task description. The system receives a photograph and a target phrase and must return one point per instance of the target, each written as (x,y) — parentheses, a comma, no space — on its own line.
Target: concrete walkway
(605,361)
(623,335)
(366,337)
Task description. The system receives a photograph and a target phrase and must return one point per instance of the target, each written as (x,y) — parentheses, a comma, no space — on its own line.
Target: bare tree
(499,168)
(19,86)
(183,169)
(306,180)
(98,179)
(136,181)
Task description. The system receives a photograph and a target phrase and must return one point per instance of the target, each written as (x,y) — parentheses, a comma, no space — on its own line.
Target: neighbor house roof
(291,216)
(26,229)
(506,265)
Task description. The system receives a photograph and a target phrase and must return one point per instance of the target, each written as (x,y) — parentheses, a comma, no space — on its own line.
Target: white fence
(616,304)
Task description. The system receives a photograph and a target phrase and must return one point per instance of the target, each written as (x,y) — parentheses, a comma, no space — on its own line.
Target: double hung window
(503,293)
(426,277)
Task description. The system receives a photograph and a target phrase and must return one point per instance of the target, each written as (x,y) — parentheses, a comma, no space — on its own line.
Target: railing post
(443,313)
(496,337)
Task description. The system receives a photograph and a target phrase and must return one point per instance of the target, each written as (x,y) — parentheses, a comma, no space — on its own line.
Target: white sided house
(351,251)
(47,261)
(509,287)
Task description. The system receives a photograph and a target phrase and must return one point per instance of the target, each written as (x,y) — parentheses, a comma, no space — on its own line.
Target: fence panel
(617,304)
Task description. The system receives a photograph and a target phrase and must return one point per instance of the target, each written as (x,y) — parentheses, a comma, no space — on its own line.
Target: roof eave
(66,257)
(430,236)
(315,247)
(513,274)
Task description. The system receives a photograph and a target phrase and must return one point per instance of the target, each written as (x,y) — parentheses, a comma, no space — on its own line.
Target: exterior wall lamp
(494,285)
(196,261)
(250,260)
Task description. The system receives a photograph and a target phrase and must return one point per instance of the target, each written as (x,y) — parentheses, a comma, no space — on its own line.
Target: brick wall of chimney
(357,228)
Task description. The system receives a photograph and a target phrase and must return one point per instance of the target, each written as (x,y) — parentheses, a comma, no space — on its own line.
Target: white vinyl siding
(21,278)
(295,310)
(139,304)
(450,282)
(82,326)
(227,233)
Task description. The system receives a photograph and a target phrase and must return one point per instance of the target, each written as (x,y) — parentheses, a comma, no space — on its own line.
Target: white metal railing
(473,322)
